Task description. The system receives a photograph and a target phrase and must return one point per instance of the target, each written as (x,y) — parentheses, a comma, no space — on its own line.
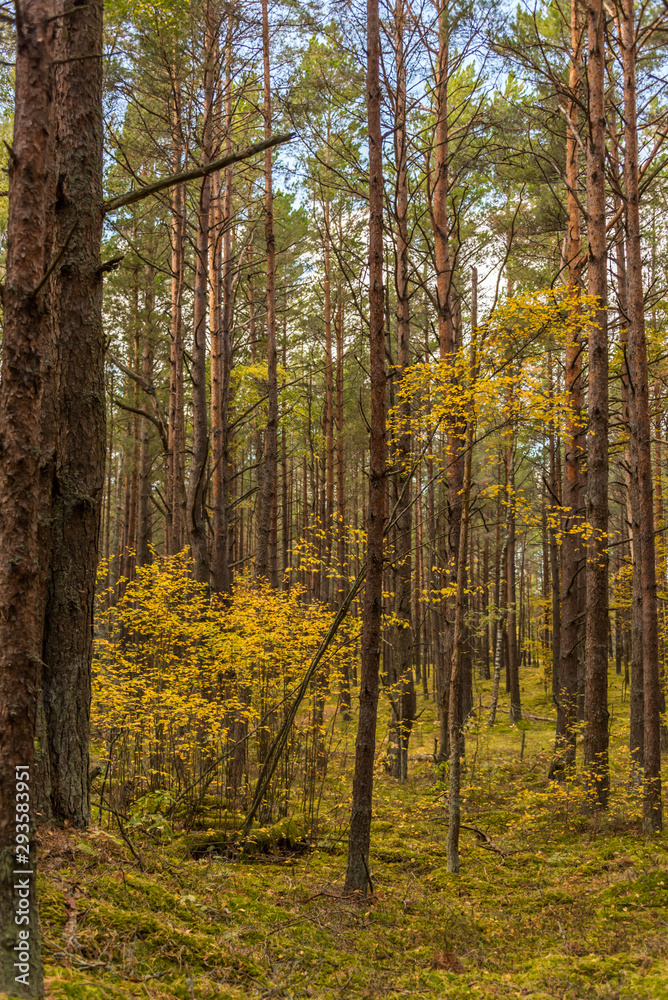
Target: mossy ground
(554,904)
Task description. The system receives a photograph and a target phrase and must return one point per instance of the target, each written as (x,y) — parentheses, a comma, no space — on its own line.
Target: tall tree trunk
(267,492)
(329,398)
(511,592)
(220,549)
(227,319)
(403,684)
(641,432)
(567,692)
(27,350)
(357,875)
(143,519)
(340,493)
(78,484)
(455,720)
(195,511)
(175,482)
(596,650)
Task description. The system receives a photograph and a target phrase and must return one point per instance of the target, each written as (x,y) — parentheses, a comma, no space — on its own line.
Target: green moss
(552,904)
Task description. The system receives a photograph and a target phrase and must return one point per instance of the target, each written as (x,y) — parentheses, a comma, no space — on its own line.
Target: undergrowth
(551,904)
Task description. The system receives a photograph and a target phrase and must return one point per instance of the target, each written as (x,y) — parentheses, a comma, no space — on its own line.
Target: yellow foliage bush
(185,683)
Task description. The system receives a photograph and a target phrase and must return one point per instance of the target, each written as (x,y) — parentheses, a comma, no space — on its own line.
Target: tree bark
(267,492)
(78,484)
(27,351)
(175,481)
(455,719)
(143,517)
(596,501)
(641,432)
(571,546)
(195,510)
(403,684)
(357,869)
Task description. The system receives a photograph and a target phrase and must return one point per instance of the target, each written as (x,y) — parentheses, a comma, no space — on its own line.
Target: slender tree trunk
(498,646)
(220,549)
(511,593)
(403,684)
(357,874)
(143,518)
(329,398)
(455,719)
(596,654)
(567,693)
(227,320)
(340,493)
(641,432)
(263,569)
(175,485)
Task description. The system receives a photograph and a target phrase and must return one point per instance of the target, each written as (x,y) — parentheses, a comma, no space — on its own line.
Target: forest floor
(550,904)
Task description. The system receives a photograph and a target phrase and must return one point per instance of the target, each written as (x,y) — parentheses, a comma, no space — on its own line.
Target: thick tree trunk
(357,870)
(596,622)
(78,484)
(641,433)
(27,353)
